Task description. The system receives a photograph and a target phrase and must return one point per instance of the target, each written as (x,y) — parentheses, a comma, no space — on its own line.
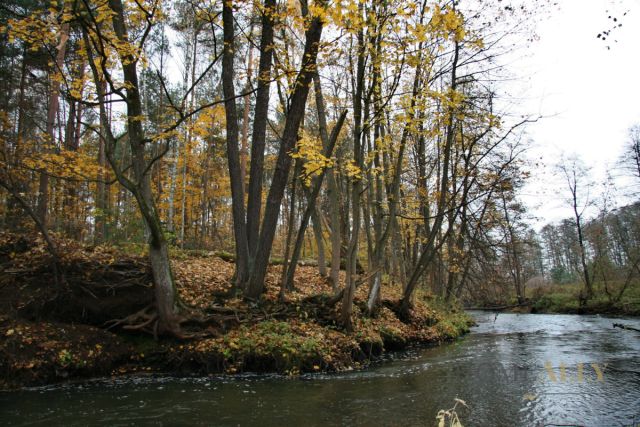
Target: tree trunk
(164,290)
(512,253)
(311,205)
(317,232)
(245,114)
(428,251)
(166,297)
(233,158)
(258,138)
(583,255)
(13,215)
(173,172)
(187,145)
(284,284)
(332,190)
(100,233)
(356,185)
(52,112)
(283,162)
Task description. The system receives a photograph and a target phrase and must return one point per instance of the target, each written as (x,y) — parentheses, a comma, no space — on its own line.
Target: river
(512,369)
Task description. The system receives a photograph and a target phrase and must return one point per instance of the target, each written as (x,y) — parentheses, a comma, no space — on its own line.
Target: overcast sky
(588,94)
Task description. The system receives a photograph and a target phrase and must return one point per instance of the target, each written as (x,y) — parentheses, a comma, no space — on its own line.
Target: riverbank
(501,370)
(48,335)
(565,299)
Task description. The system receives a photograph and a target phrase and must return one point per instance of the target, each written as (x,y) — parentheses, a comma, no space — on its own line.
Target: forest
(235,177)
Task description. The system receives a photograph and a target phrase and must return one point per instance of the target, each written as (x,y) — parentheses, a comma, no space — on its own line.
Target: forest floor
(52,332)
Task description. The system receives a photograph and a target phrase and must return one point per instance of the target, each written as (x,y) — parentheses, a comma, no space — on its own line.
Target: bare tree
(576,177)
(630,160)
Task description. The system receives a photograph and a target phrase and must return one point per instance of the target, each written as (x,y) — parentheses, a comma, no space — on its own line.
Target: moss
(295,346)
(452,324)
(272,346)
(392,337)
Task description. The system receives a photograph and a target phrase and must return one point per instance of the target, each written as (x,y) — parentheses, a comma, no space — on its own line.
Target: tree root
(197,323)
(147,320)
(132,321)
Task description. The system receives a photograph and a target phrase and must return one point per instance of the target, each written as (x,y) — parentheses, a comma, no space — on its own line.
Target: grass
(566,299)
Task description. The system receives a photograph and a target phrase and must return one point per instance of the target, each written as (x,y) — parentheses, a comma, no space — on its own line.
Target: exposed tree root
(214,320)
(132,321)
(191,323)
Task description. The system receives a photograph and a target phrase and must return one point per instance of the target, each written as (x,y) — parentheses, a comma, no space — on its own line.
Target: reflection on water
(511,370)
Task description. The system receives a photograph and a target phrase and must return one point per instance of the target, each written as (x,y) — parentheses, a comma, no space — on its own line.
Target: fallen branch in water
(498,308)
(621,326)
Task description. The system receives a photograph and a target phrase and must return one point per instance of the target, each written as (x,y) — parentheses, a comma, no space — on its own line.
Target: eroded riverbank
(55,333)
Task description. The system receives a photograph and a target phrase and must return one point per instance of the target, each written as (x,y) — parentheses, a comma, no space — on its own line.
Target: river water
(528,370)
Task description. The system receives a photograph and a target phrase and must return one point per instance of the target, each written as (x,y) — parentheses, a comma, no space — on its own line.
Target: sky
(586,90)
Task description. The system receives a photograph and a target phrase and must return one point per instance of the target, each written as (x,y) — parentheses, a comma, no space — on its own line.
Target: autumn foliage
(284,181)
